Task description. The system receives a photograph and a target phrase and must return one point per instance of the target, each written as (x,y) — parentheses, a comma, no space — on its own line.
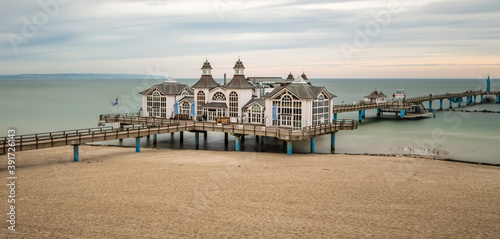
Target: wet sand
(114,192)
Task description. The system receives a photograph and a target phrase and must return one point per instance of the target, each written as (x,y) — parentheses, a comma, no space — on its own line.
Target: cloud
(300,33)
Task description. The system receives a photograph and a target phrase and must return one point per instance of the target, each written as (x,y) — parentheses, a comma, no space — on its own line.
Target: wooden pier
(406,108)
(138,127)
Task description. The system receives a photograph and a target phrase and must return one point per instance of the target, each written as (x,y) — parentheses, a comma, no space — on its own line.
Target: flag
(176,107)
(114,103)
(193,108)
(275,112)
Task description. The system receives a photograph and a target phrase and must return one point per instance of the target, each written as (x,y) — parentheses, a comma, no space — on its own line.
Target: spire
(206,68)
(488,82)
(239,68)
(290,77)
(304,76)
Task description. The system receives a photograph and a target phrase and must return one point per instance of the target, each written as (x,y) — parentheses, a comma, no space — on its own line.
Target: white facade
(299,104)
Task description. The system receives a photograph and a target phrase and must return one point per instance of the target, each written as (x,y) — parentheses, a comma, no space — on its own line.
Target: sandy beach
(114,192)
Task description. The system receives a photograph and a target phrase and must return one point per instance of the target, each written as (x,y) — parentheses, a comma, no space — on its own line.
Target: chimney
(224,78)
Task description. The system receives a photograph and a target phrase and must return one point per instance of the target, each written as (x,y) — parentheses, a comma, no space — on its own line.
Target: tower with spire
(488,82)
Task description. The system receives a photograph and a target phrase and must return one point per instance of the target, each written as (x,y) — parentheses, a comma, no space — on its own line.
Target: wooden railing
(81,136)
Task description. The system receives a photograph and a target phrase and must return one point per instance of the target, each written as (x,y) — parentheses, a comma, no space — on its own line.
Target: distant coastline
(78,76)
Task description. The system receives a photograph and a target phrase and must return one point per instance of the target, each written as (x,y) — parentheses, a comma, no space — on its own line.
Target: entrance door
(156,112)
(286,120)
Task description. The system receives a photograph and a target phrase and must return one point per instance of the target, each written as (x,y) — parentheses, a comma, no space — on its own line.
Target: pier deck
(138,127)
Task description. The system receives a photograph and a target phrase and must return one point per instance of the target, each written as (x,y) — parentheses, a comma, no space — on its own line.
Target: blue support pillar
(154,139)
(335,117)
(137,145)
(475,99)
(451,103)
(360,114)
(237,144)
(289,147)
(460,102)
(441,104)
(333,142)
(76,153)
(364,113)
(196,140)
(482,99)
(498,99)
(379,111)
(430,104)
(402,114)
(313,144)
(226,138)
(434,113)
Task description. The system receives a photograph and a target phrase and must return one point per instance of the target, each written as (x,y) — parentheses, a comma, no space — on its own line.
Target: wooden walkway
(409,102)
(145,126)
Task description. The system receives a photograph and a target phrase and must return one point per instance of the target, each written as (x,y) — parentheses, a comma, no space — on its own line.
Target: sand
(114,192)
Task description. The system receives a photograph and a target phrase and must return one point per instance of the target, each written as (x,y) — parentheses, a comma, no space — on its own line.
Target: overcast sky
(333,39)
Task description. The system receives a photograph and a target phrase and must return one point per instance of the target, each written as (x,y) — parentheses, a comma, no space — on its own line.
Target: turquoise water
(41,105)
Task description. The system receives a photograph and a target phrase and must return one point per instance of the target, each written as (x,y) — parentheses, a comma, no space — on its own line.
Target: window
(185,92)
(200,100)
(233,104)
(204,72)
(321,109)
(256,114)
(185,108)
(219,97)
(289,111)
(156,105)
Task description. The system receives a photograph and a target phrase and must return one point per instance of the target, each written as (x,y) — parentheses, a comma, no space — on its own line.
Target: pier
(413,107)
(138,127)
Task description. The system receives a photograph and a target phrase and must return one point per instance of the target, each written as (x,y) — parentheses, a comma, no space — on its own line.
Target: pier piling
(196,140)
(335,117)
(451,103)
(289,147)
(76,153)
(441,104)
(226,138)
(360,116)
(154,139)
(430,104)
(137,145)
(181,136)
(237,144)
(333,142)
(313,144)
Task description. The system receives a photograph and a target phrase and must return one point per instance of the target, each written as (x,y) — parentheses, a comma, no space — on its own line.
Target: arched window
(321,109)
(289,111)
(185,92)
(256,114)
(233,104)
(219,97)
(200,101)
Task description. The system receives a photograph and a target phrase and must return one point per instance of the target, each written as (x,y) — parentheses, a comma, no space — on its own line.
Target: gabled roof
(376,94)
(261,102)
(301,90)
(206,81)
(217,105)
(239,82)
(188,98)
(218,88)
(169,88)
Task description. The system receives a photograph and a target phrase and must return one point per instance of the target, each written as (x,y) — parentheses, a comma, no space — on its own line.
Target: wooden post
(137,145)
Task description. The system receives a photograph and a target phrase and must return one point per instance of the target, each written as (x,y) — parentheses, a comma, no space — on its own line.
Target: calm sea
(42,105)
